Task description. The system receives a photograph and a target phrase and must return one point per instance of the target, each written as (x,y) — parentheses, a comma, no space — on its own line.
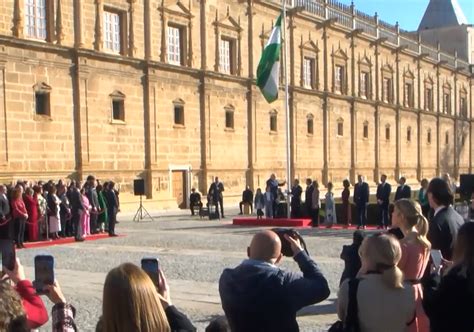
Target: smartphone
(8,254)
(151,266)
(44,272)
(437,258)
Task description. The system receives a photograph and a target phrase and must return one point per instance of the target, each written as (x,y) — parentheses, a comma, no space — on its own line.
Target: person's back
(382,308)
(443,230)
(351,258)
(259,296)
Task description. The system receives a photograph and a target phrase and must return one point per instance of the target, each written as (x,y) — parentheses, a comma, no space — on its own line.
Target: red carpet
(289,223)
(29,245)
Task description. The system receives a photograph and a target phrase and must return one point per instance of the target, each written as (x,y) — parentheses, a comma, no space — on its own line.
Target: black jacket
(361,193)
(308,197)
(258,296)
(403,193)
(450,305)
(383,193)
(352,264)
(247,196)
(178,321)
(444,230)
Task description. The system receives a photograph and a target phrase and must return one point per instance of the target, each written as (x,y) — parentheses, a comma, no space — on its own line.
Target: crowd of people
(48,210)
(390,283)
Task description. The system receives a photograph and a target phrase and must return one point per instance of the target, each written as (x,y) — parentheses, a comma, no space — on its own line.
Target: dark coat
(258,296)
(194,198)
(444,230)
(361,193)
(383,193)
(215,191)
(450,304)
(352,264)
(308,197)
(403,193)
(76,201)
(247,196)
(296,191)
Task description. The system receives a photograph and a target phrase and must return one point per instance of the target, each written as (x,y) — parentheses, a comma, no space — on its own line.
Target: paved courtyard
(192,253)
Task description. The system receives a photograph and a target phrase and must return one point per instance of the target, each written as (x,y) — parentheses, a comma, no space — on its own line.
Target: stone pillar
(419,169)
(150,122)
(457,137)
(203,32)
(148,28)
(132,50)
(59,24)
(3,111)
(325,108)
(18,17)
(353,111)
(398,170)
(216,46)
(251,103)
(438,134)
(78,17)
(99,18)
(164,25)
(190,41)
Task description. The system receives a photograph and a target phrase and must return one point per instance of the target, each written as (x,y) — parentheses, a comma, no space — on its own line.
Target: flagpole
(287,113)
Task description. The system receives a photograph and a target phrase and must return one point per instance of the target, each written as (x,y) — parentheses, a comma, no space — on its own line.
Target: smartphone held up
(44,273)
(152,266)
(8,254)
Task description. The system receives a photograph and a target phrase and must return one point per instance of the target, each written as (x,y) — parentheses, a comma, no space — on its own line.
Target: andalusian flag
(268,70)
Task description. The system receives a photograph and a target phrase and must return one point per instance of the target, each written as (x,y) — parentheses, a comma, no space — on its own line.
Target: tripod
(142,213)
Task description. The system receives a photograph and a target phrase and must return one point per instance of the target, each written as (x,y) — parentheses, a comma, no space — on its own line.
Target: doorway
(178,181)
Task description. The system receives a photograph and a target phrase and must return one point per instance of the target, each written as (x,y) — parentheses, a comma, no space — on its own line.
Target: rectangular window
(364,85)
(429,99)
(409,134)
(308,72)
(36,18)
(463,107)
(229,119)
(387,90)
(179,115)
(273,122)
(340,129)
(408,95)
(447,103)
(366,130)
(227,56)
(310,126)
(428,137)
(42,104)
(446,138)
(339,79)
(118,109)
(113,33)
(175,45)
(387,133)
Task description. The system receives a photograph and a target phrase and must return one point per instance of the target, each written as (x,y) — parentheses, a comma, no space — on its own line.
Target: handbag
(351,323)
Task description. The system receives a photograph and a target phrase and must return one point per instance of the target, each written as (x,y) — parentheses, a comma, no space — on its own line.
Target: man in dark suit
(296,192)
(361,199)
(446,222)
(76,210)
(112,207)
(350,256)
(383,200)
(215,192)
(247,198)
(403,190)
(91,194)
(308,196)
(195,200)
(273,184)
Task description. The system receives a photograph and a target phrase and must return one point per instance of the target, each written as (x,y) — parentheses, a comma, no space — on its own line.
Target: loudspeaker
(139,187)
(466,183)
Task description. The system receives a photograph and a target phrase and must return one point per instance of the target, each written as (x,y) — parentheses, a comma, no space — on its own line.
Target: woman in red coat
(19,215)
(31,203)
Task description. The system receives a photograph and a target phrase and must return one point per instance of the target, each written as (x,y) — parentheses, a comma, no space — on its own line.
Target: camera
(285,244)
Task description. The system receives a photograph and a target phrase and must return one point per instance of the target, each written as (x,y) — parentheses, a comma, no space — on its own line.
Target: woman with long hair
(384,301)
(19,215)
(346,205)
(31,204)
(408,216)
(450,302)
(131,303)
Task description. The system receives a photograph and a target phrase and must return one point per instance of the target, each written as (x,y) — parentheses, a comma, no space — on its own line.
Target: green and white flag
(268,70)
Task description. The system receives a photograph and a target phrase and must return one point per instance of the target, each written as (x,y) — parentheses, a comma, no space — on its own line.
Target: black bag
(351,323)
(285,245)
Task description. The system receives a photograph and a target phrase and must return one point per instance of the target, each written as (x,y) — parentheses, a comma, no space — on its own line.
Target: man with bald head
(259,296)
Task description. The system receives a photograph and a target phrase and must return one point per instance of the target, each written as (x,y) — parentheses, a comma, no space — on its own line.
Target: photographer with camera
(259,296)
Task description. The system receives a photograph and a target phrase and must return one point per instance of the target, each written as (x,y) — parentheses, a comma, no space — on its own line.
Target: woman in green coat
(103,218)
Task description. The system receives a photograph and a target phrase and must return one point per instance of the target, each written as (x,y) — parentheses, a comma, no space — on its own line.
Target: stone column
(203,32)
(59,24)
(419,169)
(325,109)
(216,44)
(438,134)
(148,28)
(353,112)
(457,138)
(3,111)
(18,27)
(99,18)
(78,40)
(132,50)
(150,124)
(398,135)
(251,103)
(190,43)
(164,25)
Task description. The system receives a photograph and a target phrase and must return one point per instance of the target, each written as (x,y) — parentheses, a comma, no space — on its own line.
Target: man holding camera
(259,296)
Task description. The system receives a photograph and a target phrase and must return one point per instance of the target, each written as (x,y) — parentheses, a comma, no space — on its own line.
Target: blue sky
(407,12)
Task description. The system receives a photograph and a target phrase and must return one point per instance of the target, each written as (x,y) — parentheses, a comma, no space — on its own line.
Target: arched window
(366,129)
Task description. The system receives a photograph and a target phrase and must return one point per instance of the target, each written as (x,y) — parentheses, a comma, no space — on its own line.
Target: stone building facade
(165,90)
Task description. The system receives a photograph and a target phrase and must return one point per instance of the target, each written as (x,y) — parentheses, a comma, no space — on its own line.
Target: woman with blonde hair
(131,303)
(384,302)
(408,216)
